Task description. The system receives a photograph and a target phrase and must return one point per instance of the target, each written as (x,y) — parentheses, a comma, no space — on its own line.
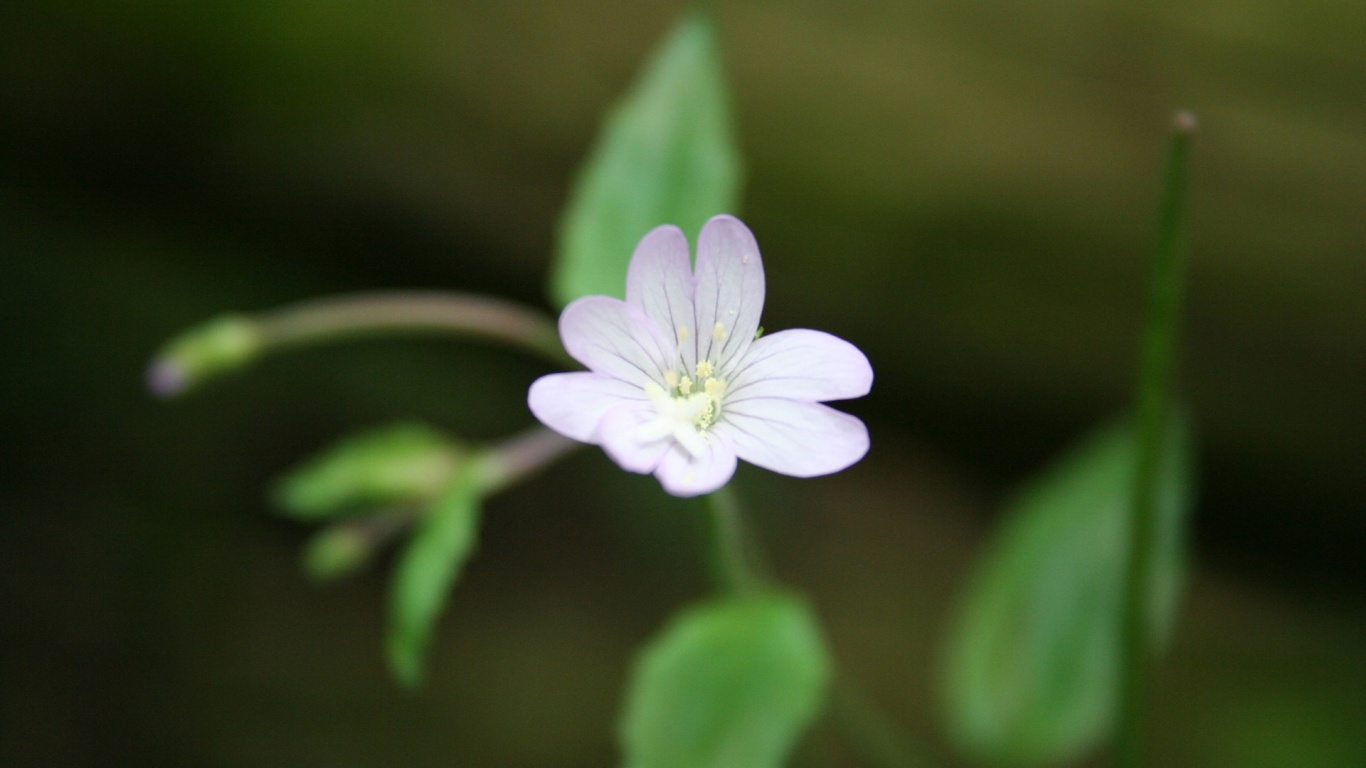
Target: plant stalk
(414,311)
(1154,395)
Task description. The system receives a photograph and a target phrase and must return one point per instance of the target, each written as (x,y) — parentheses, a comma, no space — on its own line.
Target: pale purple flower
(678,385)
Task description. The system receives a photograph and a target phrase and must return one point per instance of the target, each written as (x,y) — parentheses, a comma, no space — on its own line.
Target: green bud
(402,464)
(216,347)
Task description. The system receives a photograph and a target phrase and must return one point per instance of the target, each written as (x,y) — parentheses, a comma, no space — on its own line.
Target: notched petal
(684,475)
(574,404)
(730,291)
(794,438)
(617,339)
(659,280)
(634,437)
(801,364)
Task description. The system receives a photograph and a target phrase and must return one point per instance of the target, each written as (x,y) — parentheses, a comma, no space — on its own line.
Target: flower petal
(574,404)
(634,438)
(801,364)
(617,339)
(730,292)
(792,437)
(660,282)
(681,474)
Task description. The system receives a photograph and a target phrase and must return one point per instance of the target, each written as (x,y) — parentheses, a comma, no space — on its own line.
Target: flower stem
(408,312)
(737,567)
(881,743)
(518,457)
(232,342)
(1154,387)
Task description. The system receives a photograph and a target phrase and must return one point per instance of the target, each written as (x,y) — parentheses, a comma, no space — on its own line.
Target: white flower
(678,385)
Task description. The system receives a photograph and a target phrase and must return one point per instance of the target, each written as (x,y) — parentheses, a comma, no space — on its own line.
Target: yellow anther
(682,334)
(715,387)
(671,379)
(704,369)
(718,332)
(685,386)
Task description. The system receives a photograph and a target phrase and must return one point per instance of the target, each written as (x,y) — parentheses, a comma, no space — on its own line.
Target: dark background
(966,191)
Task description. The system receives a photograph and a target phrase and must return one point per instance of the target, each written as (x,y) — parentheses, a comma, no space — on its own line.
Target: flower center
(687,408)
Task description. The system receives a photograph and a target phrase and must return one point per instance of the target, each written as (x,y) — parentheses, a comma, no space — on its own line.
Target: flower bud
(221,345)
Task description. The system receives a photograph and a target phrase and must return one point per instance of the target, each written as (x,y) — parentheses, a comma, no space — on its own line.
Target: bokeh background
(965,190)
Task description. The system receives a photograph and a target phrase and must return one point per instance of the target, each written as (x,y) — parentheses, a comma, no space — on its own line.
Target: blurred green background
(966,191)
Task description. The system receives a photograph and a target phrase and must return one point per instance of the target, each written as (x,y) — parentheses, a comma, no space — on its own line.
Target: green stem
(409,312)
(737,569)
(881,743)
(739,566)
(1155,382)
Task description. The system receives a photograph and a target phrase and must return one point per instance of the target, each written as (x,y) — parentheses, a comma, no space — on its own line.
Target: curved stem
(1155,381)
(520,456)
(413,311)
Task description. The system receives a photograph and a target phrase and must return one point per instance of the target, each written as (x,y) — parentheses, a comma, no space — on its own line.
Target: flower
(680,381)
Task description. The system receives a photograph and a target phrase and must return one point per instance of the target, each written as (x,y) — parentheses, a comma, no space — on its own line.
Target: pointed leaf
(666,156)
(426,571)
(1033,667)
(729,684)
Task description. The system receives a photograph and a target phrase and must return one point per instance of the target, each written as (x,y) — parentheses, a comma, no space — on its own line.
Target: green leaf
(396,464)
(1034,659)
(729,684)
(426,571)
(666,155)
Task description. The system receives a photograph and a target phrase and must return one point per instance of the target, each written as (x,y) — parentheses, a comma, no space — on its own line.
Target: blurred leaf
(401,463)
(426,571)
(1033,667)
(666,156)
(729,684)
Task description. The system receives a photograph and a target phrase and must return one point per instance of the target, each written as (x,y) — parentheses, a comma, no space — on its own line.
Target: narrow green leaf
(729,684)
(666,155)
(396,464)
(1034,659)
(426,571)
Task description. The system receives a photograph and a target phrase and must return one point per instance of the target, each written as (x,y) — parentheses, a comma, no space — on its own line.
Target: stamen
(718,332)
(671,379)
(716,388)
(704,369)
(682,334)
(685,386)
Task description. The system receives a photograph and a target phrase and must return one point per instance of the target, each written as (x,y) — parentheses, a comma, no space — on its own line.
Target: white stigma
(685,408)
